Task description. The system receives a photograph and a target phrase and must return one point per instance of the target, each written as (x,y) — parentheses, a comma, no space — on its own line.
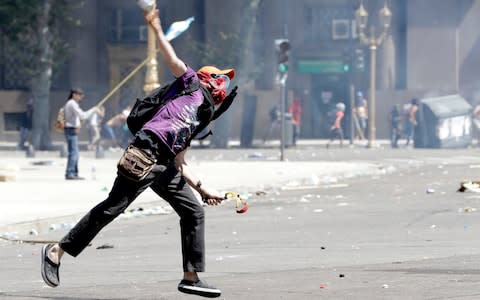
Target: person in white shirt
(73,117)
(93,126)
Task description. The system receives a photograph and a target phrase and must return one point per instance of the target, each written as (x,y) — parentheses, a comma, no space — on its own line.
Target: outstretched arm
(211,197)
(176,65)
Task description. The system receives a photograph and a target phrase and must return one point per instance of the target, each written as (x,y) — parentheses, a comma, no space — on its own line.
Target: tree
(233,49)
(34,31)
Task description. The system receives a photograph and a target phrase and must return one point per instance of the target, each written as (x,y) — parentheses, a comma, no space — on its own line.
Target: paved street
(404,233)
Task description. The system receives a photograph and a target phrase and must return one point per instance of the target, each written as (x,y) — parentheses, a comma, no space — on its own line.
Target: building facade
(430,51)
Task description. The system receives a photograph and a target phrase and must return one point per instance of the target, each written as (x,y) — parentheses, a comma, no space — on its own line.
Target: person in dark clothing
(395,125)
(26,124)
(275,122)
(156,159)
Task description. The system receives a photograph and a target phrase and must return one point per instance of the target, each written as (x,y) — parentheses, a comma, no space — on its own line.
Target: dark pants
(168,183)
(336,133)
(409,132)
(395,136)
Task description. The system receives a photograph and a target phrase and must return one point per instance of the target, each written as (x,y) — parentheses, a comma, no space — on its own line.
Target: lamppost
(361,16)
(151,76)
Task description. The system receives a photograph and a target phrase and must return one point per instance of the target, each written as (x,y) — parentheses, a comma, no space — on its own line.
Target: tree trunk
(40,85)
(41,138)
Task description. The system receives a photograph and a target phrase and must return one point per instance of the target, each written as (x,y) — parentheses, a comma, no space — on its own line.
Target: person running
(156,159)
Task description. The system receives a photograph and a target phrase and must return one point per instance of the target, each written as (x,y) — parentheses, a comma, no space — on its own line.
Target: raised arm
(175,64)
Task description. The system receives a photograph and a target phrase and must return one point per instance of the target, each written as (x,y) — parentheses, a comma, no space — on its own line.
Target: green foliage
(34,32)
(223,52)
(233,49)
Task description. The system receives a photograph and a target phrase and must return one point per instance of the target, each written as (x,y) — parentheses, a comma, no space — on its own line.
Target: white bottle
(94,172)
(178,28)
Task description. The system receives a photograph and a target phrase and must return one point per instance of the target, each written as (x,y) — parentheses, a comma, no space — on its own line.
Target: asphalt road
(405,235)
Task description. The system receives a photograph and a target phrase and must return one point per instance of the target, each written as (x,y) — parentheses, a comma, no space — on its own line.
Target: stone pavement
(40,193)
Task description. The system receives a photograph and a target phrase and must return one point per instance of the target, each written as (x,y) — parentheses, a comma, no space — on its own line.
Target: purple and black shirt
(175,122)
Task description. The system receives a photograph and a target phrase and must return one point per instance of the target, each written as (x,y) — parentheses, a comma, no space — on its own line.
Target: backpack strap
(192,87)
(161,93)
(207,112)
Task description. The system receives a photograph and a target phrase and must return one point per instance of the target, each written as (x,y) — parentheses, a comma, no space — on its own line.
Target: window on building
(324,24)
(11,77)
(127,25)
(14,77)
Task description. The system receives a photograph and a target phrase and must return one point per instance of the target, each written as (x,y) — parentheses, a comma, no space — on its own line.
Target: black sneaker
(200,288)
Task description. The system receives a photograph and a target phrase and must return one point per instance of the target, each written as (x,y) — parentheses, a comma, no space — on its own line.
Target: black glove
(232,94)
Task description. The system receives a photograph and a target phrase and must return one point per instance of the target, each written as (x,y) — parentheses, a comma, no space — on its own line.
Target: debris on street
(468,209)
(105,246)
(472,186)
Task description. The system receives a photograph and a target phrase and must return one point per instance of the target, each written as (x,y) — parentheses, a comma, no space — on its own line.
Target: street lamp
(361,16)
(151,76)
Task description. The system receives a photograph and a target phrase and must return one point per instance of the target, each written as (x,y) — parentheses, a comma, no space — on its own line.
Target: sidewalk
(12,146)
(39,192)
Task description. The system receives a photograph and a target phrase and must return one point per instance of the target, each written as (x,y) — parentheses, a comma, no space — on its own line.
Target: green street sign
(321,66)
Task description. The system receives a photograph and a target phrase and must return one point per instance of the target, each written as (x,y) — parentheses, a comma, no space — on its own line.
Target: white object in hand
(146,5)
(178,28)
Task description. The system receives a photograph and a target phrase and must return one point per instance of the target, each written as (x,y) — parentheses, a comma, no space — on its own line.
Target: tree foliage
(35,34)
(24,23)
(234,48)
(237,49)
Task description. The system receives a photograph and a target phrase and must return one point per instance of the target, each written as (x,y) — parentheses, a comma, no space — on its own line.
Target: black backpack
(145,108)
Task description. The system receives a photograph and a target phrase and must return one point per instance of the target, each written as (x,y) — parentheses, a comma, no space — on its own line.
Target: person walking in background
(73,117)
(411,121)
(295,110)
(156,159)
(26,124)
(113,126)
(336,130)
(395,125)
(94,127)
(361,113)
(125,135)
(274,115)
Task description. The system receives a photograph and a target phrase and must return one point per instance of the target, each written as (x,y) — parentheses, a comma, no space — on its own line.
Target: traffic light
(346,61)
(282,47)
(359,60)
